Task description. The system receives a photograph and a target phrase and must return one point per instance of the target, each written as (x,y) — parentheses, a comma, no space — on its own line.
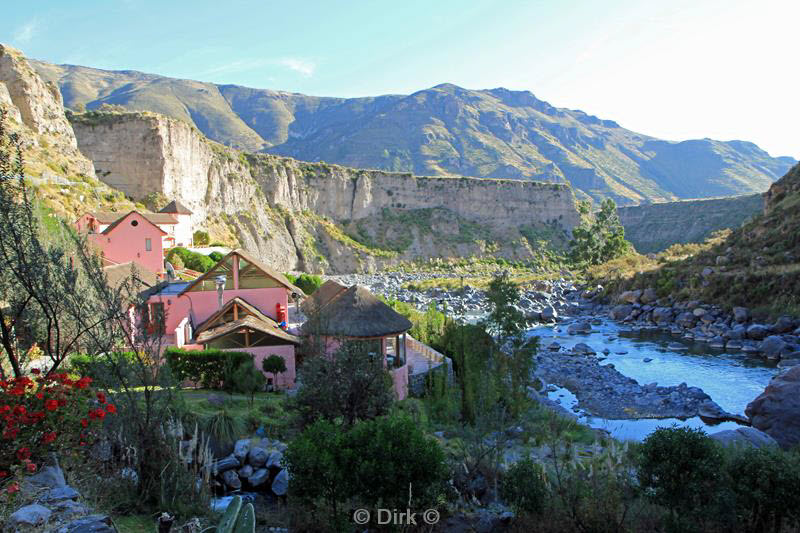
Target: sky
(674,69)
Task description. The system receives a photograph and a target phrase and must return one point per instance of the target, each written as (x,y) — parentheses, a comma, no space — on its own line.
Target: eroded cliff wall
(304,215)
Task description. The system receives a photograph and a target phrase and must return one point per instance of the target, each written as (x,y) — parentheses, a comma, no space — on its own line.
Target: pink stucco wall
(400,382)
(126,242)
(202,304)
(285,379)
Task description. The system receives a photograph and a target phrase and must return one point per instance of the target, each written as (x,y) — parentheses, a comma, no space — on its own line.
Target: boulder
(246,471)
(553,346)
(784,324)
(257,457)
(280,485)
(621,311)
(775,410)
(223,465)
(579,327)
(648,296)
(50,476)
(741,314)
(662,315)
(630,297)
(743,436)
(757,332)
(583,349)
(241,449)
(698,312)
(686,319)
(96,523)
(773,347)
(259,477)
(549,314)
(61,493)
(29,516)
(231,479)
(274,460)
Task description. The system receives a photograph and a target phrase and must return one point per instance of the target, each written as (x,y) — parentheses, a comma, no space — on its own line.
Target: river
(732,379)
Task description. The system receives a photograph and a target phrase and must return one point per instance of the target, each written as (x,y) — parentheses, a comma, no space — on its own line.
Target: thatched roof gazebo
(355,314)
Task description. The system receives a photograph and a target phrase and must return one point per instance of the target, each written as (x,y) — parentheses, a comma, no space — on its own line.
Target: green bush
(191,260)
(524,487)
(371,464)
(274,364)
(200,238)
(216,256)
(224,427)
(681,469)
(247,379)
(212,368)
(766,485)
(102,368)
(308,283)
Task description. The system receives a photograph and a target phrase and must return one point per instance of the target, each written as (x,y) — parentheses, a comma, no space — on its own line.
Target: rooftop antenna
(220,282)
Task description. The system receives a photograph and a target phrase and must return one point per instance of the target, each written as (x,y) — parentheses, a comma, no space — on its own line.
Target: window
(148,245)
(134,223)
(156,318)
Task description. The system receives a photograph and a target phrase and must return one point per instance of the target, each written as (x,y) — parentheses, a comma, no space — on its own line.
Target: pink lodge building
(240,304)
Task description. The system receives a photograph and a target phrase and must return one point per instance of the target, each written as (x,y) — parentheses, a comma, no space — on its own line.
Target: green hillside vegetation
(655,227)
(755,266)
(441,131)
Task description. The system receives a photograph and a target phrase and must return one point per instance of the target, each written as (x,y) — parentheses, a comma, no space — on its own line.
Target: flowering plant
(43,414)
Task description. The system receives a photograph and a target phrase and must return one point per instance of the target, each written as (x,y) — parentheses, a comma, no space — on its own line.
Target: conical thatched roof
(324,294)
(356,312)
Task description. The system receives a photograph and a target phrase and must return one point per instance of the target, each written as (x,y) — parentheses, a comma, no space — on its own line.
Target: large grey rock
(741,314)
(744,436)
(61,493)
(90,524)
(280,485)
(757,332)
(662,315)
(621,311)
(246,471)
(29,516)
(583,349)
(257,457)
(231,479)
(223,465)
(775,411)
(630,297)
(50,476)
(274,460)
(241,449)
(784,324)
(579,327)
(773,347)
(549,314)
(259,477)
(648,296)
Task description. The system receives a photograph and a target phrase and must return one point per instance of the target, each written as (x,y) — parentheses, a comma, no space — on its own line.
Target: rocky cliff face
(317,216)
(656,227)
(36,112)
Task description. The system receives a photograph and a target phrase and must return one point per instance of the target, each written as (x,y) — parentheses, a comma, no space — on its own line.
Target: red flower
(83,382)
(12,488)
(51,405)
(5,409)
(62,402)
(23,453)
(39,395)
(111,409)
(3,474)
(85,422)
(31,467)
(100,413)
(49,437)
(19,410)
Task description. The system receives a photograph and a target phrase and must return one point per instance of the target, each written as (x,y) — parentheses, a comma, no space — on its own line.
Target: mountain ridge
(443,130)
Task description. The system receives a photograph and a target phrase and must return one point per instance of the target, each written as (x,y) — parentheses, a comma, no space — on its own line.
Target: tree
(387,462)
(274,364)
(524,487)
(351,385)
(600,240)
(681,469)
(249,380)
(200,238)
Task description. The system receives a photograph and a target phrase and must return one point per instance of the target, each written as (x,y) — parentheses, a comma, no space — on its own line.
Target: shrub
(680,468)
(176,262)
(524,487)
(308,283)
(351,385)
(224,427)
(200,238)
(41,415)
(191,260)
(247,379)
(216,256)
(371,464)
(766,485)
(103,369)
(210,368)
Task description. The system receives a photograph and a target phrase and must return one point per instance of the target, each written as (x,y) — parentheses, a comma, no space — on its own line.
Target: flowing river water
(732,379)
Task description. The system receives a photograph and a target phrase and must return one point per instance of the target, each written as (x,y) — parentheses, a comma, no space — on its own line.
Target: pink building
(180,233)
(130,237)
(239,304)
(341,314)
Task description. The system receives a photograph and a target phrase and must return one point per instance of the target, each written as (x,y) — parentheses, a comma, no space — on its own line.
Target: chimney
(220,281)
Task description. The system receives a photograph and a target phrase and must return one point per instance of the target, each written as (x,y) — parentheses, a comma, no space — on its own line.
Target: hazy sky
(675,69)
